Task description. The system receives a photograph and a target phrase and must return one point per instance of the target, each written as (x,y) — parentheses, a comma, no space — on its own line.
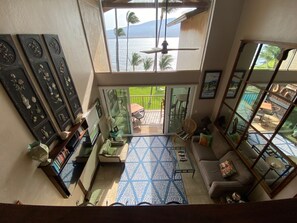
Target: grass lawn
(141,95)
(147,90)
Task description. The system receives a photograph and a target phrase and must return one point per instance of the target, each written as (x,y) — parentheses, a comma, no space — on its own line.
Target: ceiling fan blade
(153,50)
(171,49)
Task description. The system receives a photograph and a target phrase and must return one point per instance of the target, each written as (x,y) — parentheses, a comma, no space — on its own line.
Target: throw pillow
(105,147)
(111,150)
(227,168)
(205,140)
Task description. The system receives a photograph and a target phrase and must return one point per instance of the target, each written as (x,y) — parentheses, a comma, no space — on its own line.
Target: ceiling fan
(165,49)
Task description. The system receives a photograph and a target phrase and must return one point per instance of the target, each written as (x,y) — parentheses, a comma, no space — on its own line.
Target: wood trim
(256,212)
(118,5)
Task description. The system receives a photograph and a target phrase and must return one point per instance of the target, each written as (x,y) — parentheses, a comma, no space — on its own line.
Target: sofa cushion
(210,171)
(202,152)
(219,145)
(243,175)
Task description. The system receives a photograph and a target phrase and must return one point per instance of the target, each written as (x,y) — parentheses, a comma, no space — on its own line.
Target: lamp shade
(275,163)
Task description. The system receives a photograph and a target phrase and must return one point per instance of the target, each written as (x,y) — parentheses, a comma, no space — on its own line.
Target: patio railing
(153,102)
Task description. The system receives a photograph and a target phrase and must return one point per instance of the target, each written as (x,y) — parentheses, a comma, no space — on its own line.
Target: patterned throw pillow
(205,140)
(227,168)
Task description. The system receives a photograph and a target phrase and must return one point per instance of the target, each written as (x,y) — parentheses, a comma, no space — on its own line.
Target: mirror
(245,62)
(265,64)
(259,112)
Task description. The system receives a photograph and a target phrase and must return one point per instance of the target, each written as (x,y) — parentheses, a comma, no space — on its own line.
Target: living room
(232,21)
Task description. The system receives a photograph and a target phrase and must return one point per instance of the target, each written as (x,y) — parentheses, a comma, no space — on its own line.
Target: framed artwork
(22,92)
(235,84)
(210,84)
(56,53)
(35,53)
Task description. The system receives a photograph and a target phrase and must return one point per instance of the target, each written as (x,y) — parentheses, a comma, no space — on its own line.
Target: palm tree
(270,54)
(118,32)
(136,60)
(147,63)
(130,18)
(165,62)
(163,11)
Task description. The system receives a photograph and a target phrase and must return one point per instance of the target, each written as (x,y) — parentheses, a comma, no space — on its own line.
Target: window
(145,29)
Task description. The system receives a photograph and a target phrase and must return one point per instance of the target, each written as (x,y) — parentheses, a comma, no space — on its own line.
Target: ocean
(135,46)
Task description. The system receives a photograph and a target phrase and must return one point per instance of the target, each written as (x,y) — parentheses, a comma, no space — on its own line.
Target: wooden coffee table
(183,163)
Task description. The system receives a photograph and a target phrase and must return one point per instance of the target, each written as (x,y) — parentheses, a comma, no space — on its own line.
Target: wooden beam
(108,4)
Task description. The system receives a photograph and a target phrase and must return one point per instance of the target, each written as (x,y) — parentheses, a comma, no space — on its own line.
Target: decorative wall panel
(59,61)
(18,86)
(35,52)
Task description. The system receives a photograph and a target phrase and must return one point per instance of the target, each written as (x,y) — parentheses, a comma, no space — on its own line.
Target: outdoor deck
(152,123)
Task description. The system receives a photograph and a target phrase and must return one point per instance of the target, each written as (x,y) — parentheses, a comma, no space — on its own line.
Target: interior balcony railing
(148,102)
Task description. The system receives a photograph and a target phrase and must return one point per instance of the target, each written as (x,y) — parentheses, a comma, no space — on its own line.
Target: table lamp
(275,163)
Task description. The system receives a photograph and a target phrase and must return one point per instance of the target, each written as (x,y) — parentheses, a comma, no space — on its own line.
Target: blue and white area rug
(148,174)
(282,143)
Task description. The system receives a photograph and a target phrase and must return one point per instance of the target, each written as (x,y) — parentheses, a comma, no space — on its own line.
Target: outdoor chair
(139,115)
(187,130)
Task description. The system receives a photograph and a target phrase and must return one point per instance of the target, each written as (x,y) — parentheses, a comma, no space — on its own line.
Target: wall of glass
(258,115)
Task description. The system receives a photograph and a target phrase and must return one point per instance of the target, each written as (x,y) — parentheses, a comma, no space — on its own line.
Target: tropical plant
(117,32)
(131,18)
(135,60)
(147,63)
(270,54)
(165,62)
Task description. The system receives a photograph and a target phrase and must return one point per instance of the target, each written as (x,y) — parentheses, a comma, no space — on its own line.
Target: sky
(144,15)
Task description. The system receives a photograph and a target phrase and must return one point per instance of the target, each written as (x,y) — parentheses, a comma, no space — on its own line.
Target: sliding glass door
(166,116)
(117,108)
(178,106)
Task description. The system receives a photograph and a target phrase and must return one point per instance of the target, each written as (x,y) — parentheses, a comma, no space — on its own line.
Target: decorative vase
(64,135)
(39,152)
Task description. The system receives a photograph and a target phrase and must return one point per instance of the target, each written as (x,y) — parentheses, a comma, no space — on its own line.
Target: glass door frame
(106,109)
(190,104)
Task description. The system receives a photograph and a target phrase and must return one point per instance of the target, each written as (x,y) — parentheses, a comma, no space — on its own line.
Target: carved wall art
(34,50)
(58,58)
(19,87)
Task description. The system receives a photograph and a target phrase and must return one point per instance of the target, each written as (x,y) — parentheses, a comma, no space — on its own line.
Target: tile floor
(104,189)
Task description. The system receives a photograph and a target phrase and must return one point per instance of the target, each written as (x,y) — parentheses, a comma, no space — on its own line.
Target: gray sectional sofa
(208,160)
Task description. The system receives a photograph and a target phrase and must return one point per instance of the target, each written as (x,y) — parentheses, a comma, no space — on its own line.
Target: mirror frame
(245,81)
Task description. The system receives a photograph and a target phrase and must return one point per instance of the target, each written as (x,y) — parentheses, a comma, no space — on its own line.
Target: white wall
(270,21)
(223,27)
(20,179)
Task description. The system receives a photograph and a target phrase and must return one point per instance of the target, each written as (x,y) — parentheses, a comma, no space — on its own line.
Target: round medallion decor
(7,54)
(54,44)
(34,48)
